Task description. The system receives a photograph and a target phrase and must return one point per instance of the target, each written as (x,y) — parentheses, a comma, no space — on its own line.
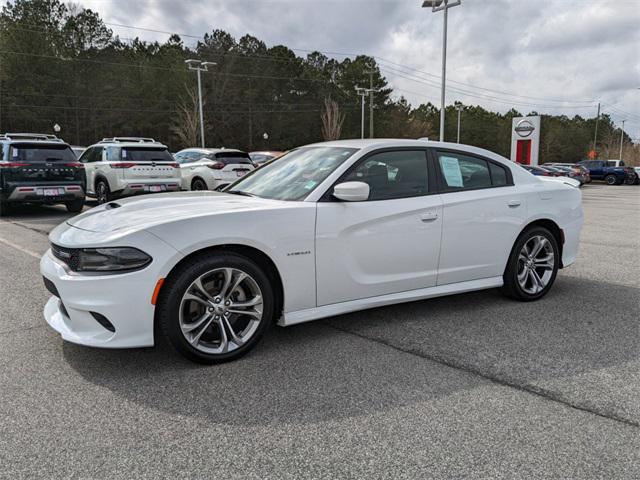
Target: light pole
(200,66)
(363,93)
(459,108)
(436,6)
(621,138)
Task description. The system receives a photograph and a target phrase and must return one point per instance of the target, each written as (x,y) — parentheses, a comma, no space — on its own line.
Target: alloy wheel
(536,264)
(221,310)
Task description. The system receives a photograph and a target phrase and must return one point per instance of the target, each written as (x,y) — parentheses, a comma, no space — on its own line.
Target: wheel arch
(263,260)
(550,225)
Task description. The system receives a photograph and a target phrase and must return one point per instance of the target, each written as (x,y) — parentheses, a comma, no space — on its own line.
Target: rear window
(38,153)
(232,158)
(146,154)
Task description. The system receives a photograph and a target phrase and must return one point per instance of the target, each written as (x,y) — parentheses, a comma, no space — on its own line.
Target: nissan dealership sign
(525,140)
(524,128)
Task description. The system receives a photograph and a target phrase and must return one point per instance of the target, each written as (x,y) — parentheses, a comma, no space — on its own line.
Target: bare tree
(185,123)
(332,120)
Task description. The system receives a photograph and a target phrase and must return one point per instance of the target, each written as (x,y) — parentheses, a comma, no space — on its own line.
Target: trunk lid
(42,163)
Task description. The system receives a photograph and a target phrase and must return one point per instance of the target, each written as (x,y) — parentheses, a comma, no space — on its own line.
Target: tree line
(61,64)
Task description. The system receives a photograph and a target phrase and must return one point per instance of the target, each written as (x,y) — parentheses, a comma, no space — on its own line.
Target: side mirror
(351,191)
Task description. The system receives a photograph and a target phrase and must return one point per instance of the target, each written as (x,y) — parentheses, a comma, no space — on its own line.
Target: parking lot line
(22,249)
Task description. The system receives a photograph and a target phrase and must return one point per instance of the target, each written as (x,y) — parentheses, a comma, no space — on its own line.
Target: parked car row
(612,172)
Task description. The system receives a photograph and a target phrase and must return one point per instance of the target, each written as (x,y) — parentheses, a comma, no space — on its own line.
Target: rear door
(91,158)
(483,214)
(42,163)
(148,163)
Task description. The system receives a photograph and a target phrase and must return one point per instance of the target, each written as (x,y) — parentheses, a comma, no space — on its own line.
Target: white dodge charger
(326,229)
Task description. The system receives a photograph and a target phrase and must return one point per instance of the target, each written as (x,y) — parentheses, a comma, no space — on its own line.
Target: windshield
(146,154)
(38,153)
(295,175)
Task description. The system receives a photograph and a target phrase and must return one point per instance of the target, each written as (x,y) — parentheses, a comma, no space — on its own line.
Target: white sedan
(327,229)
(211,168)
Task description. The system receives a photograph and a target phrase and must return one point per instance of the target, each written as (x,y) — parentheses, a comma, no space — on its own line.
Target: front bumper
(81,302)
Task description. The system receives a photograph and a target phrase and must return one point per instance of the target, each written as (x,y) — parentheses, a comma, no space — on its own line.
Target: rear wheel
(533,265)
(103,192)
(611,179)
(630,180)
(75,206)
(198,184)
(4,208)
(216,307)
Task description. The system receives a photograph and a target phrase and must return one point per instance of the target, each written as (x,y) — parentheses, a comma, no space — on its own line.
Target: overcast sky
(529,54)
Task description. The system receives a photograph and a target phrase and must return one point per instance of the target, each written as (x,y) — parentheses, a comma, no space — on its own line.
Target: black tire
(611,180)
(103,192)
(179,281)
(512,287)
(76,206)
(5,208)
(198,184)
(630,180)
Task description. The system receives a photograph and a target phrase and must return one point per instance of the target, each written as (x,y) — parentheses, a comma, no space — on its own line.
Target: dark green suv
(41,169)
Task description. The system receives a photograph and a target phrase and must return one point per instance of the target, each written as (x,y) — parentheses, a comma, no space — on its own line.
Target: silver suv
(124,166)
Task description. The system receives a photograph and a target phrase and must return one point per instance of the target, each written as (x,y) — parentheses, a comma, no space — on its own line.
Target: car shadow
(343,366)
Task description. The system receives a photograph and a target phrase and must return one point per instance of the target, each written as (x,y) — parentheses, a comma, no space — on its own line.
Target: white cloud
(548,49)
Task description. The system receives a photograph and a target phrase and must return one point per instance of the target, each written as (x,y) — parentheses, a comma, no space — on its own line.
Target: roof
(375,143)
(129,142)
(210,150)
(30,137)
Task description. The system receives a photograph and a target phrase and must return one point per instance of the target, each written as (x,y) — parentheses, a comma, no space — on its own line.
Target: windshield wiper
(240,192)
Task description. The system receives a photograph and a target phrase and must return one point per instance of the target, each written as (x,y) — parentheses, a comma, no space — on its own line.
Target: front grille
(69,256)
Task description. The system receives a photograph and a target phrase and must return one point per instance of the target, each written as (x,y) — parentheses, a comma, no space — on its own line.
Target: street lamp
(200,66)
(459,107)
(436,6)
(57,128)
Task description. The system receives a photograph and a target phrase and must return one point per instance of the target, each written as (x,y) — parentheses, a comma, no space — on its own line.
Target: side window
(398,174)
(112,154)
(460,172)
(86,155)
(498,175)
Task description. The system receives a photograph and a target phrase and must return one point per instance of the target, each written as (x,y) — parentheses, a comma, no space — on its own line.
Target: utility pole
(459,108)
(621,138)
(371,71)
(200,66)
(363,93)
(595,136)
(436,6)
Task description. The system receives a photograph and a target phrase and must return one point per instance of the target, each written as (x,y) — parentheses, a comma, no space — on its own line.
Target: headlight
(107,259)
(111,259)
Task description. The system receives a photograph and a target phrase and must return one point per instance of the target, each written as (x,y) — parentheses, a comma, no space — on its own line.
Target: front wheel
(216,307)
(630,180)
(533,265)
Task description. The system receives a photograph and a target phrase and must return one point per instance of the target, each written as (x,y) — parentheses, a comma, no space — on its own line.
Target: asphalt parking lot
(474,385)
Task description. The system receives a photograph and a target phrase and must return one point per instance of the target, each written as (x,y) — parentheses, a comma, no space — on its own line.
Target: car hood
(143,212)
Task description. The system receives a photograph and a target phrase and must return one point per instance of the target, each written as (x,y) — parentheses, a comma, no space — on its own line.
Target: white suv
(212,168)
(123,166)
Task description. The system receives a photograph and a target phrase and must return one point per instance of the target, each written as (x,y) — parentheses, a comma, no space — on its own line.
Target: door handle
(514,203)
(429,217)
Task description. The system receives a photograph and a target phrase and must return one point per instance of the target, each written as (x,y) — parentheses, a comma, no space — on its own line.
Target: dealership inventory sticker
(451,171)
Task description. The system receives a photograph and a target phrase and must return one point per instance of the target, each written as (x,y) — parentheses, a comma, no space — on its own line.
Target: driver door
(387,244)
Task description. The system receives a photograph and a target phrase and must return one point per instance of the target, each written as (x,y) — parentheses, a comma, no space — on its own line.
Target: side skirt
(300,316)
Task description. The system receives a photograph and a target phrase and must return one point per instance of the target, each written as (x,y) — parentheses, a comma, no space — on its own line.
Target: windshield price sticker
(451,171)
